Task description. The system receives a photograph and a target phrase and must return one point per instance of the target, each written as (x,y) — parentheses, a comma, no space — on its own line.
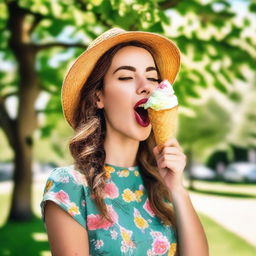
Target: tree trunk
(26,122)
(189,168)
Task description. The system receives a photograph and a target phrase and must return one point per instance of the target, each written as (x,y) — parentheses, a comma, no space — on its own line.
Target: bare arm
(191,237)
(66,236)
(171,162)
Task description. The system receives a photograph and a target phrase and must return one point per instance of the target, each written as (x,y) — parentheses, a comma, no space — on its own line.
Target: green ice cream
(162,97)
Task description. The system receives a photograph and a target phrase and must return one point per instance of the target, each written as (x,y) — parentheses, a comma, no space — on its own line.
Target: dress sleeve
(67,188)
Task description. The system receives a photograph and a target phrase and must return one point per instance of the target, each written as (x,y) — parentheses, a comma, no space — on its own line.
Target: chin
(144,135)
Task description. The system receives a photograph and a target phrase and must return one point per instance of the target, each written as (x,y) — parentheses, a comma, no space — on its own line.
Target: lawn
(30,239)
(239,190)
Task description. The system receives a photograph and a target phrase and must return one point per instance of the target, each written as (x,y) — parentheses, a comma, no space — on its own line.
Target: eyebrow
(131,68)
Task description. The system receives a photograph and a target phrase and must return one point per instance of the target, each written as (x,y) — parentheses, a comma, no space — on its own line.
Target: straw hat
(167,57)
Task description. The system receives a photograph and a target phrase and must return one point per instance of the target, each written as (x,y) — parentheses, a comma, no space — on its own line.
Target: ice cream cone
(164,124)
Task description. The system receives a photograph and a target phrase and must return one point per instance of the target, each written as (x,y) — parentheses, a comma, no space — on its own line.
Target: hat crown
(106,35)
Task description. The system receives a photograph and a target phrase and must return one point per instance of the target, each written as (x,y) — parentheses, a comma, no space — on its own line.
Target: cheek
(118,103)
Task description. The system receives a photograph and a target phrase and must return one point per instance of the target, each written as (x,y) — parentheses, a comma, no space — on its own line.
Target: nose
(144,86)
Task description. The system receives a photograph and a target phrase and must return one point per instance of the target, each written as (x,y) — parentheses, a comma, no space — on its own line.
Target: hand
(171,162)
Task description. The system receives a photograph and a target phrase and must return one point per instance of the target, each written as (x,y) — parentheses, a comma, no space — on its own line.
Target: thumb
(156,150)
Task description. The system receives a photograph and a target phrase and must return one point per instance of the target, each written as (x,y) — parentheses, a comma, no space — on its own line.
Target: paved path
(236,215)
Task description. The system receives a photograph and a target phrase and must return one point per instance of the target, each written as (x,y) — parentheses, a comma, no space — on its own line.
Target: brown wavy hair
(87,144)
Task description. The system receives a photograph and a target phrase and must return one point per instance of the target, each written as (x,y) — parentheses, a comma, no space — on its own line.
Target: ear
(99,102)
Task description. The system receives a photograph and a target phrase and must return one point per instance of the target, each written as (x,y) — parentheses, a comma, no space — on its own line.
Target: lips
(141,114)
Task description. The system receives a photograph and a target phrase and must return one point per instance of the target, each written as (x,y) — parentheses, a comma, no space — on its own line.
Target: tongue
(141,116)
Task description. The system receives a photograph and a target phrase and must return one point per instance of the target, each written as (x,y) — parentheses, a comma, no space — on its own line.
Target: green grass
(27,238)
(30,238)
(223,242)
(220,188)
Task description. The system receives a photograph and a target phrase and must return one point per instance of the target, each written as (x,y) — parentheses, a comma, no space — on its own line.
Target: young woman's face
(131,77)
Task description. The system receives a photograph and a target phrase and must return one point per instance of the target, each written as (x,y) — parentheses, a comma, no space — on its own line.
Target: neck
(120,151)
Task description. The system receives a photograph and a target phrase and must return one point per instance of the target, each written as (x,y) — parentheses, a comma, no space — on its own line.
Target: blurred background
(216,88)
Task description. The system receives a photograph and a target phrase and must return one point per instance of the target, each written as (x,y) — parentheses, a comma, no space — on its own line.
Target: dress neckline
(136,167)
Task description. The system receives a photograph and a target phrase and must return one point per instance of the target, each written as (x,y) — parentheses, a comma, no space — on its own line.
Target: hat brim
(167,57)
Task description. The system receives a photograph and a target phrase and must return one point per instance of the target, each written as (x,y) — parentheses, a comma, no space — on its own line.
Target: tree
(41,38)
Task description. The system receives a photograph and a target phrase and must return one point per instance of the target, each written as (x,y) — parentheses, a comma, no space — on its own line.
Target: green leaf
(220,86)
(246,22)
(46,131)
(252,7)
(164,18)
(157,28)
(226,75)
(115,3)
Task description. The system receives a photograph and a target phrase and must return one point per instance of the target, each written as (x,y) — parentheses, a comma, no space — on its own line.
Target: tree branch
(7,95)
(103,22)
(58,44)
(168,4)
(82,6)
(37,18)
(6,122)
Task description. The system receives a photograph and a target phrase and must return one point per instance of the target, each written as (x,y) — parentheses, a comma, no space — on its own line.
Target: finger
(169,160)
(173,142)
(165,149)
(172,150)
(156,153)
(169,164)
(156,150)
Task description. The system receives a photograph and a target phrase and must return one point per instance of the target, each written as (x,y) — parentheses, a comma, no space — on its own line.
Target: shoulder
(67,187)
(68,174)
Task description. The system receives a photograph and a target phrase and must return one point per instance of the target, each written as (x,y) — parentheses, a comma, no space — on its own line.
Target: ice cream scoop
(162,108)
(163,97)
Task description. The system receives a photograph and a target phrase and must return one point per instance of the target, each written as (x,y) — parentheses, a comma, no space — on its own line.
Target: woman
(122,196)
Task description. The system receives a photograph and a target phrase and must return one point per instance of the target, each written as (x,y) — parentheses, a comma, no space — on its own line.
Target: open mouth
(141,116)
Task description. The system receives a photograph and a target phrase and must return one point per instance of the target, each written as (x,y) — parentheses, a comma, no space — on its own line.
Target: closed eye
(124,78)
(150,79)
(154,79)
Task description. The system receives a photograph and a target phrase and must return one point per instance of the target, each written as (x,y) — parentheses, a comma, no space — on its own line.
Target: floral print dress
(135,229)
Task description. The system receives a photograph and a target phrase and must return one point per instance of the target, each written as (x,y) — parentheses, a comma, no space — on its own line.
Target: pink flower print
(94,221)
(62,196)
(155,234)
(64,179)
(150,252)
(113,234)
(111,190)
(113,215)
(124,248)
(148,209)
(98,244)
(160,245)
(79,178)
(83,203)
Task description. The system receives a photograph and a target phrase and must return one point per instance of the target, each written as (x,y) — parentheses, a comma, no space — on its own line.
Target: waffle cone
(164,124)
